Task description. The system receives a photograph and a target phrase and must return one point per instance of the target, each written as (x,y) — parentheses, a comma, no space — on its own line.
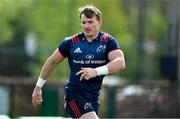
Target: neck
(90,39)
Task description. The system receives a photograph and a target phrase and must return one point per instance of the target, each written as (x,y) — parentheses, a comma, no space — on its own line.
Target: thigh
(89,115)
(77,106)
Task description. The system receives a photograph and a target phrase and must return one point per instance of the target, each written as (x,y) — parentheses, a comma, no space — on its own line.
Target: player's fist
(37,96)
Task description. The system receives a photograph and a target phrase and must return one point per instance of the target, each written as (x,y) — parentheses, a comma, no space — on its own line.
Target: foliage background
(53,20)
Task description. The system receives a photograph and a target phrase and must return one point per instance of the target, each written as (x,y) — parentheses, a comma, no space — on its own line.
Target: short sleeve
(112,44)
(64,47)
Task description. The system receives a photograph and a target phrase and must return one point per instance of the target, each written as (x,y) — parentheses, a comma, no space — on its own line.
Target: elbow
(117,65)
(122,65)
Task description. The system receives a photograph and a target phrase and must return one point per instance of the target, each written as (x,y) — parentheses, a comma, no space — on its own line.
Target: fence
(145,99)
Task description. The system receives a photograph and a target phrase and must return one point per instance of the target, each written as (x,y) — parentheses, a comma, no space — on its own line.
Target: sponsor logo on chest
(77,50)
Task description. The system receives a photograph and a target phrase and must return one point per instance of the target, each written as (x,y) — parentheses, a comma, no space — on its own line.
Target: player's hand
(37,96)
(87,73)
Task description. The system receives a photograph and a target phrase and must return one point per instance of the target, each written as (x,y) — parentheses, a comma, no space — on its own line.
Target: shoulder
(111,42)
(74,38)
(106,37)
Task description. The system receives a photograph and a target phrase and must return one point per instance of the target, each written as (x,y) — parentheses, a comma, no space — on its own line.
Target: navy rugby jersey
(81,53)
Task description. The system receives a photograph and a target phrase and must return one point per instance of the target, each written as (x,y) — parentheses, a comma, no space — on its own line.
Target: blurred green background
(148,32)
(50,21)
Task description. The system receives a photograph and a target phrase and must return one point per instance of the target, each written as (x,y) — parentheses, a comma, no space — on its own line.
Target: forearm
(112,67)
(47,68)
(117,63)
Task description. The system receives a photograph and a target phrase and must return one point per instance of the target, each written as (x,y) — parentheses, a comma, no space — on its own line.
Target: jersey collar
(96,39)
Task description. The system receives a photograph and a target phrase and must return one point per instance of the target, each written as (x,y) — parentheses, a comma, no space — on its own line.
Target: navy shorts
(76,106)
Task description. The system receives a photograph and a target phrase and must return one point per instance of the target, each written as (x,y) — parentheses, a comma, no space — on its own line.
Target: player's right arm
(50,64)
(46,71)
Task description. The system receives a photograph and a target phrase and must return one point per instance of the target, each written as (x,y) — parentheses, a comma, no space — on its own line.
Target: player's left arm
(117,61)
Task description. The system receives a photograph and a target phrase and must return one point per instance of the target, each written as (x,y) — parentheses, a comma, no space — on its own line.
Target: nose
(86,25)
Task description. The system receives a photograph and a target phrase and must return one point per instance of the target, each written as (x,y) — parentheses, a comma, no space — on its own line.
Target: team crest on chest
(101,49)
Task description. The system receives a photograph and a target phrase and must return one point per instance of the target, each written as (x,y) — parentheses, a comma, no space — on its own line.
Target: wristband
(103,70)
(40,82)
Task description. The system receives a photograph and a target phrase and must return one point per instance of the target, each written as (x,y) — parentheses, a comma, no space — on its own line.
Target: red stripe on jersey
(75,39)
(78,40)
(79,113)
(72,40)
(104,37)
(75,108)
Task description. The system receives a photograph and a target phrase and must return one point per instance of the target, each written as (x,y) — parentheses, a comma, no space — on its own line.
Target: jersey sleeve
(64,47)
(112,44)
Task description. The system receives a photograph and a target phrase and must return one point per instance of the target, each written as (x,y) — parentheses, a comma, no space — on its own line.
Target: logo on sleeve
(77,50)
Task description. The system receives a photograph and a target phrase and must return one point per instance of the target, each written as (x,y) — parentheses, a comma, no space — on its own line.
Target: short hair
(90,11)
